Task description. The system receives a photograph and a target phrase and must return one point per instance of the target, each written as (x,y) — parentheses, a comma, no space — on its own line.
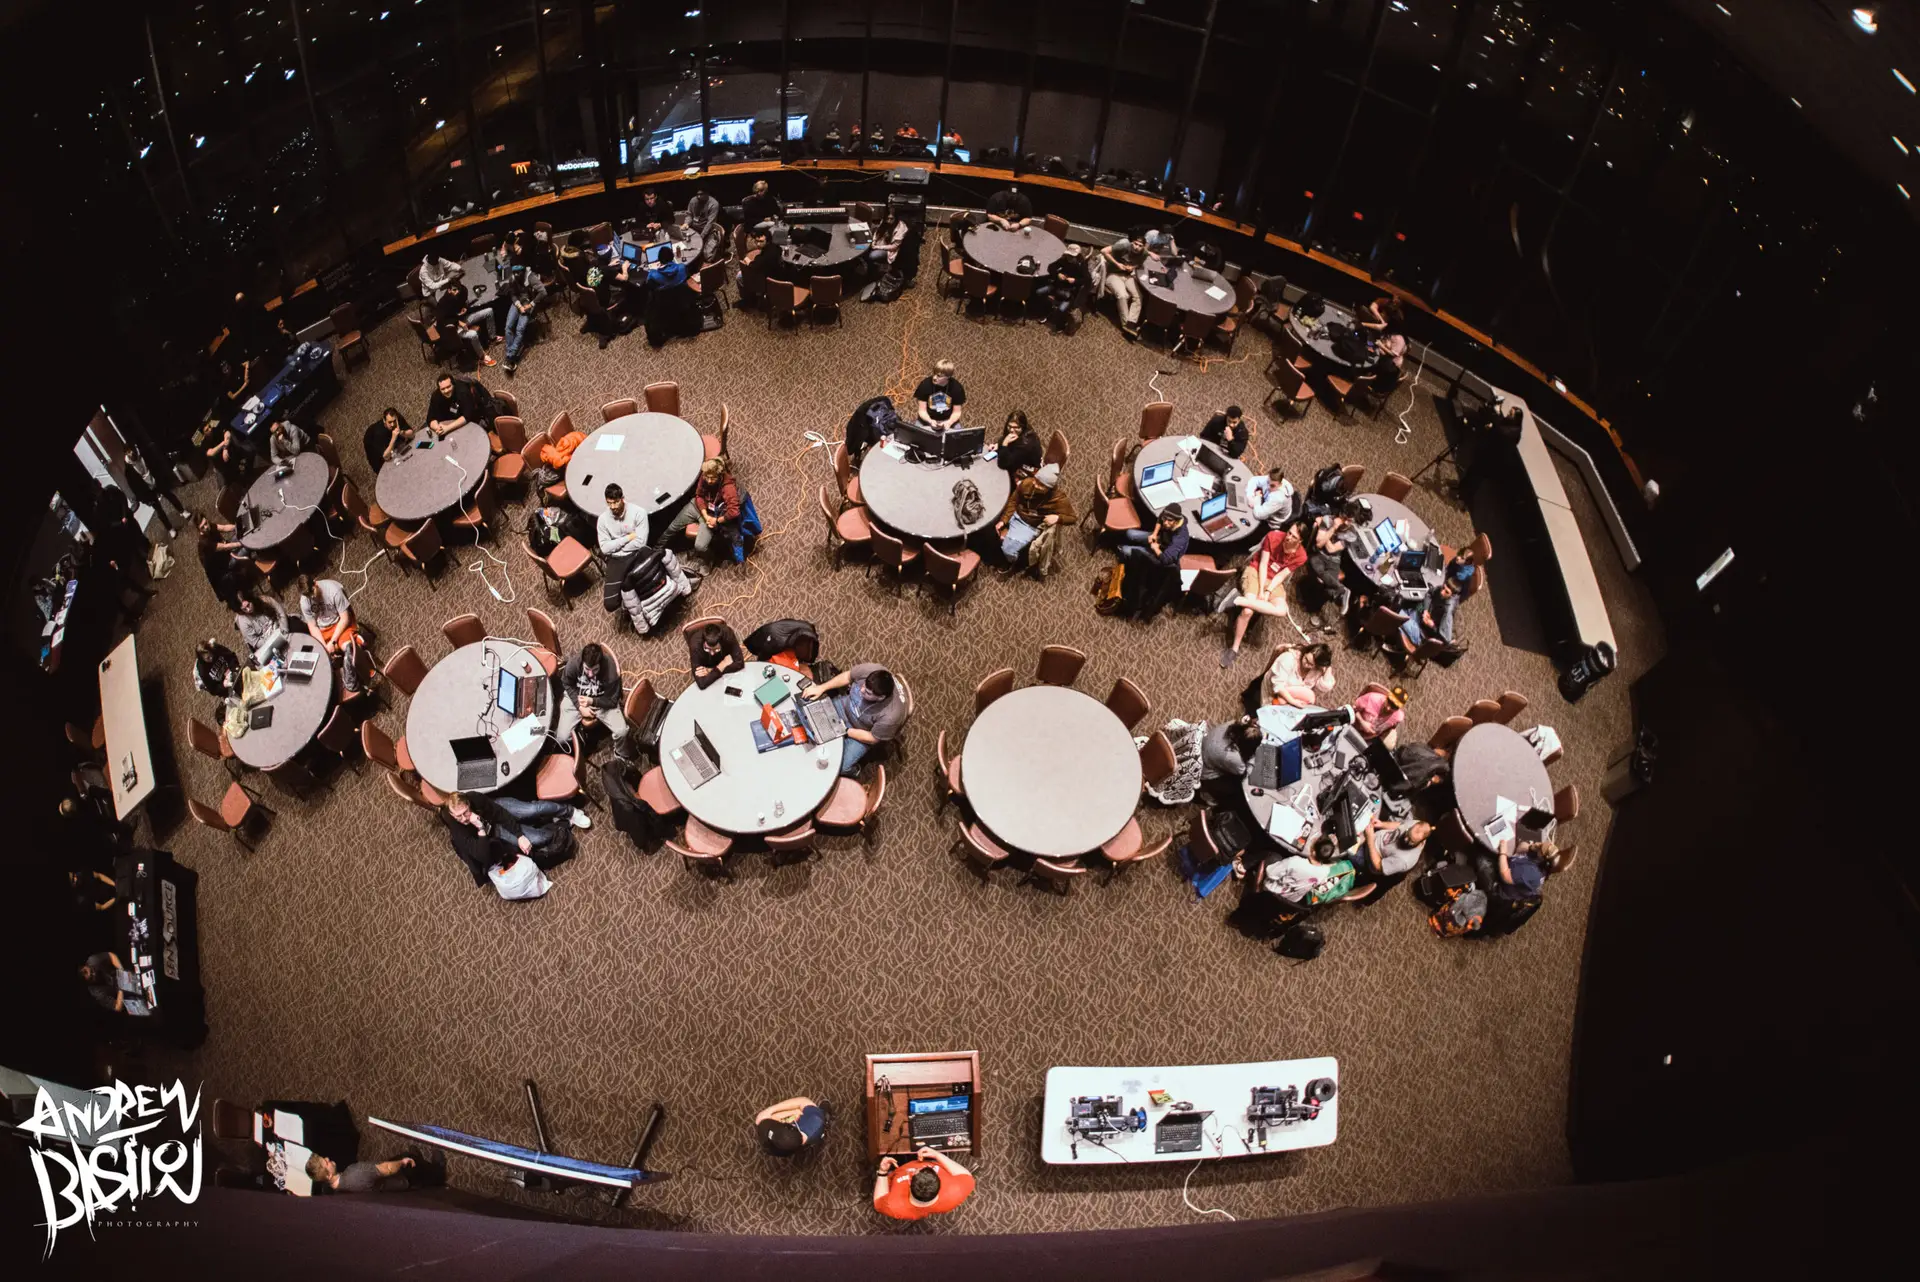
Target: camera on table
(1099,1118)
(1275,1106)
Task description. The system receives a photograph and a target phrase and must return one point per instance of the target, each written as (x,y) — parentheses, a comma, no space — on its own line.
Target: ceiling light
(1863,19)
(1904,82)
(1904,191)
(1723,9)
(1794,101)
(1904,149)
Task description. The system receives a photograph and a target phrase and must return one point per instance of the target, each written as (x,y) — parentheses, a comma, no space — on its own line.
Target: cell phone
(735,691)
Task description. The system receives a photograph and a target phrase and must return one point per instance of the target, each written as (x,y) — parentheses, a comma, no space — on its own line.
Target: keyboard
(953,1128)
(1180,1137)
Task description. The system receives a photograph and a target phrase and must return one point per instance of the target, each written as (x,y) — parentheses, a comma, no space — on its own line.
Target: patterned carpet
(351,956)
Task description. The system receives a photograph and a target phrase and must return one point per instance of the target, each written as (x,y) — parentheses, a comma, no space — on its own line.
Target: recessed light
(1904,82)
(1863,19)
(1904,191)
(1723,9)
(1794,101)
(1904,149)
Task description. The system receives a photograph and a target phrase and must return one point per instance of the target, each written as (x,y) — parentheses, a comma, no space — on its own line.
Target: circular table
(1418,530)
(1000,250)
(1317,770)
(1188,293)
(299,710)
(755,792)
(456,702)
(282,504)
(1490,762)
(655,458)
(1051,771)
(802,261)
(1163,448)
(1314,337)
(917,498)
(418,482)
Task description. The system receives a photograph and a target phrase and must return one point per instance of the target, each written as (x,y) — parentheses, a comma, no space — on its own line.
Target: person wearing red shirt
(932,1183)
(1263,585)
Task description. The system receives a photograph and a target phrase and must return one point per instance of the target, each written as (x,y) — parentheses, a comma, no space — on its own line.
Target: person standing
(152,489)
(523,293)
(931,1184)
(221,557)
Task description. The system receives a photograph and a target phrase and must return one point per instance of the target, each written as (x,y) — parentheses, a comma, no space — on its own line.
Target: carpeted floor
(351,956)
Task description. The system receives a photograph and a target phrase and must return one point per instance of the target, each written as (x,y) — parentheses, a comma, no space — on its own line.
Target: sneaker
(1227,656)
(579,819)
(604,340)
(488,361)
(508,368)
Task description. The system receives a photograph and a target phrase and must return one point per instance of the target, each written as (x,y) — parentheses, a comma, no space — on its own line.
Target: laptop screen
(654,252)
(1157,472)
(713,754)
(938,1104)
(506,693)
(1213,507)
(630,252)
(472,748)
(1389,536)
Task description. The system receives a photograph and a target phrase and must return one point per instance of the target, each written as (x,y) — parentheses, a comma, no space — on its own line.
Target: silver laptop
(697,758)
(822,720)
(1159,486)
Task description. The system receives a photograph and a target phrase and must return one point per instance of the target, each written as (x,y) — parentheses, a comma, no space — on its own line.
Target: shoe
(579,819)
(604,340)
(488,361)
(1227,656)
(1132,333)
(508,368)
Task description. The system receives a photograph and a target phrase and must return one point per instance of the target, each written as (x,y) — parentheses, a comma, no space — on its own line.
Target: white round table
(917,498)
(299,710)
(282,504)
(655,459)
(755,792)
(434,473)
(455,701)
(1051,771)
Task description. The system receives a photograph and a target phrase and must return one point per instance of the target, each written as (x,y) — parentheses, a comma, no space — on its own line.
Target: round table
(282,504)
(419,482)
(655,458)
(1418,530)
(1000,250)
(1163,448)
(1316,772)
(1490,762)
(1051,771)
(1190,294)
(456,702)
(917,498)
(299,710)
(1314,337)
(755,792)
(801,261)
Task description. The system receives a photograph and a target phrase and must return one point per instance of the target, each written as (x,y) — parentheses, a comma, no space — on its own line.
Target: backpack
(1463,913)
(1326,483)
(1107,592)
(968,507)
(1303,941)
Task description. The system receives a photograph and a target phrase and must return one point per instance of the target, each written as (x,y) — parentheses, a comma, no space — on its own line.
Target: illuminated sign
(569,166)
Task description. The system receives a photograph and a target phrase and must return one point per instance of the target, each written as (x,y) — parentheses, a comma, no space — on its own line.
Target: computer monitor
(796,128)
(916,436)
(506,693)
(739,132)
(1155,473)
(1213,506)
(958,444)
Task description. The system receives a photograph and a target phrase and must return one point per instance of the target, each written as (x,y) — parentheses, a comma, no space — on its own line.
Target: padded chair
(1195,329)
(1291,392)
(954,264)
(854,805)
(712,282)
(1350,477)
(232,1121)
(824,300)
(421,548)
(1016,295)
(1059,665)
(843,473)
(481,513)
(544,633)
(618,409)
(983,852)
(976,286)
(849,526)
(715,444)
(1208,578)
(1483,711)
(1157,762)
(706,863)
(336,737)
(568,561)
(1126,702)
(1129,847)
(1055,225)
(1059,449)
(1512,704)
(377,747)
(406,670)
(1482,548)
(949,771)
(953,572)
(1413,662)
(656,793)
(238,811)
(1384,624)
(1566,804)
(704,840)
(890,553)
(662,397)
(437,347)
(1154,418)
(1447,733)
(785,300)
(1112,507)
(227,504)
(796,844)
(481,244)
(1158,313)
(991,687)
(211,743)
(1054,875)
(1395,486)
(365,515)
(507,401)
(464,629)
(562,776)
(347,338)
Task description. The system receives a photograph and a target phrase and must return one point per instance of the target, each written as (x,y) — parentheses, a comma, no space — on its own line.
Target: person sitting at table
(386,437)
(1459,568)
(791,643)
(1513,877)
(1066,277)
(789,1126)
(938,398)
(1123,257)
(1225,751)
(457,402)
(1009,208)
(484,825)
(760,206)
(472,326)
(1330,535)
(1379,315)
(110,983)
(1326,494)
(1377,714)
(327,611)
(548,523)
(655,213)
(222,558)
(574,260)
(1389,857)
(522,294)
(1432,619)
(1263,585)
(1019,449)
(1035,503)
(754,266)
(703,211)
(216,670)
(1160,242)
(1273,498)
(621,530)
(262,624)
(436,273)
(1228,429)
(671,309)
(285,441)
(888,237)
(712,652)
(1300,674)
(872,707)
(931,1184)
(1163,545)
(1318,877)
(590,680)
(395,1176)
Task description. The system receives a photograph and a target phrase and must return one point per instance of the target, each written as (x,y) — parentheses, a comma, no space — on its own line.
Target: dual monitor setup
(478,762)
(954,445)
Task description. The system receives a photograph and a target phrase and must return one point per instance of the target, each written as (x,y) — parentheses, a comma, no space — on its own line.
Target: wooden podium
(893,1080)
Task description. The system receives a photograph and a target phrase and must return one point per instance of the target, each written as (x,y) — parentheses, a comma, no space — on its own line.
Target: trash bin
(1584,671)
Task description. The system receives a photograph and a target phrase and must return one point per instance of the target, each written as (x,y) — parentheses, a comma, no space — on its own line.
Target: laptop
(1363,543)
(302,664)
(1180,1132)
(1499,829)
(475,765)
(697,758)
(1276,765)
(517,696)
(822,720)
(1413,561)
(630,251)
(1215,520)
(654,252)
(942,1122)
(1385,766)
(1158,486)
(244,521)
(1211,457)
(1388,534)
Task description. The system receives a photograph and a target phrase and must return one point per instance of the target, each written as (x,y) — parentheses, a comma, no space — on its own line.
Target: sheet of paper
(1196,484)
(1286,823)
(258,1129)
(1505,809)
(297,1182)
(894,449)
(609,441)
(290,1126)
(1186,579)
(520,734)
(1191,444)
(1214,291)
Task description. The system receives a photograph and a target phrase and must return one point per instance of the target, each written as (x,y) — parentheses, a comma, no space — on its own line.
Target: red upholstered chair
(405,669)
(1395,486)
(1129,847)
(715,444)
(657,794)
(663,398)
(1512,704)
(464,629)
(562,775)
(238,810)
(543,630)
(1448,733)
(1157,762)
(949,770)
(991,687)
(892,554)
(952,571)
(854,805)
(847,527)
(1154,419)
(1127,702)
(983,852)
(1055,875)
(618,409)
(1059,665)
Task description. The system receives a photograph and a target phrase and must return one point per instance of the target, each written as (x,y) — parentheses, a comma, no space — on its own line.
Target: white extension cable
(479,567)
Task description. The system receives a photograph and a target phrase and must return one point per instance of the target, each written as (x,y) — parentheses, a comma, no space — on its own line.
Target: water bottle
(779,809)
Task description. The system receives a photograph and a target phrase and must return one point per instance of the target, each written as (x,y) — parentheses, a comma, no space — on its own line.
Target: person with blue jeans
(523,296)
(1436,619)
(789,1126)
(1035,503)
(1165,544)
(870,702)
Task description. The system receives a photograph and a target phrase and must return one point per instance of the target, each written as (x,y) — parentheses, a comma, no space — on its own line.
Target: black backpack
(1303,941)
(1326,483)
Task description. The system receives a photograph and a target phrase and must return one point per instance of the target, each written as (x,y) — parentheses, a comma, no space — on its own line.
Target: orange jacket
(556,453)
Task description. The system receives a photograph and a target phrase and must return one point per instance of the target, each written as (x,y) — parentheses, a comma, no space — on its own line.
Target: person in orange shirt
(932,1183)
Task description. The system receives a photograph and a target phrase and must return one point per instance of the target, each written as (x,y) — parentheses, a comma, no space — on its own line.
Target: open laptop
(1180,1132)
(1213,458)
(1158,486)
(516,695)
(1215,520)
(474,762)
(1387,534)
(1275,765)
(822,720)
(630,251)
(655,251)
(697,758)
(941,1122)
